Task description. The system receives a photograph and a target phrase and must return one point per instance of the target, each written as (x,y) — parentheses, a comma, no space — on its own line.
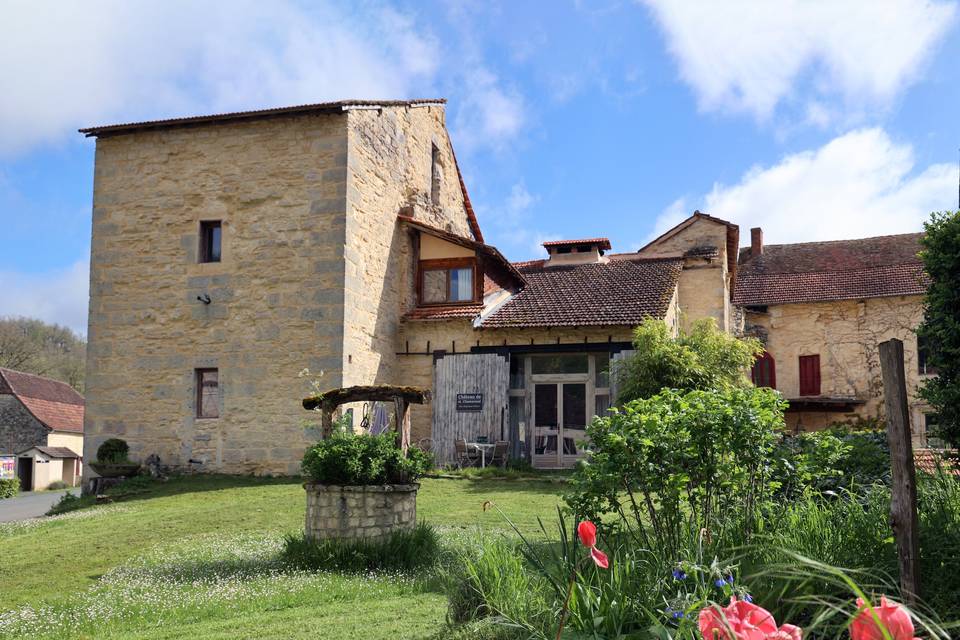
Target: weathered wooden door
(469,400)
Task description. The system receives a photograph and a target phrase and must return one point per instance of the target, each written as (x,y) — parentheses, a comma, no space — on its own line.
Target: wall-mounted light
(205,299)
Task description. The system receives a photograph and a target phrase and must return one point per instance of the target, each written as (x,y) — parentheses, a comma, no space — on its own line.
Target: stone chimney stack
(756,242)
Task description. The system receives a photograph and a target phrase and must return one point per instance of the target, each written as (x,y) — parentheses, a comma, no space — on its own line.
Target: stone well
(370,511)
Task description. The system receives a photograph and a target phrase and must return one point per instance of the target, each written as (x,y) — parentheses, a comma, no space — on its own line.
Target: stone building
(41,424)
(230,252)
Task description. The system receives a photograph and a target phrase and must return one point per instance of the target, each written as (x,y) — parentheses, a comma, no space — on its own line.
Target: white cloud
(71,64)
(59,296)
(743,55)
(858,185)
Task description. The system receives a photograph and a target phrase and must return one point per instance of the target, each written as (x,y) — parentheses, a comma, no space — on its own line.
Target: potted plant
(361,486)
(113,460)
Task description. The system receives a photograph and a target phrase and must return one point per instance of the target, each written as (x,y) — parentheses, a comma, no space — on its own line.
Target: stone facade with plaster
(363,512)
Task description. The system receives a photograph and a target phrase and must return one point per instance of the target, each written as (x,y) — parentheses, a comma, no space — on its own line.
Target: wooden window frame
(198,383)
(448,264)
(206,230)
(765,357)
(809,386)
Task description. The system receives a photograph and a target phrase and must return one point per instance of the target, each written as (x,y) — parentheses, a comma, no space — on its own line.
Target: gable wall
(19,430)
(279,187)
(389,169)
(704,288)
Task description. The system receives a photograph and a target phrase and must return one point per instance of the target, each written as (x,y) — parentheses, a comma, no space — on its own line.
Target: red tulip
(587,532)
(894,618)
(743,621)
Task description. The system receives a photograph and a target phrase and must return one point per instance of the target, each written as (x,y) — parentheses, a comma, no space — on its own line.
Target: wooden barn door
(469,400)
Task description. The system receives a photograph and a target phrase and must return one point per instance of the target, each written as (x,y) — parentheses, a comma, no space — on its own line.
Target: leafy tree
(941,323)
(705,359)
(33,346)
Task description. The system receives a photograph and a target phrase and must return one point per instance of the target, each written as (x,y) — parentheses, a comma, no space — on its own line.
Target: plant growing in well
(350,459)
(705,358)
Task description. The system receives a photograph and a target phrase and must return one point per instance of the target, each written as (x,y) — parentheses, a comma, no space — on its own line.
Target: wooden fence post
(903,505)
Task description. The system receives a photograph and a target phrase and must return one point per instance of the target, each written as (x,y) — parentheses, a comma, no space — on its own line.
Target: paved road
(30,505)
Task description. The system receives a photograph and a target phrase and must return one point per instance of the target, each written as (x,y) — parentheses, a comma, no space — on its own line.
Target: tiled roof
(603,242)
(622,292)
(339,105)
(54,403)
(445,312)
(927,460)
(57,452)
(835,270)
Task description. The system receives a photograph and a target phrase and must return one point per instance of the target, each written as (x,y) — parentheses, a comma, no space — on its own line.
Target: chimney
(756,242)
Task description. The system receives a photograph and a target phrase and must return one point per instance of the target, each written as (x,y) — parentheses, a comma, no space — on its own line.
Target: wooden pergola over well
(402,398)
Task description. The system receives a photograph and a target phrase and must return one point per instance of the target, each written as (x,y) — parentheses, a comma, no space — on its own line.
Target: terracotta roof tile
(603,242)
(613,293)
(927,460)
(835,270)
(54,403)
(445,312)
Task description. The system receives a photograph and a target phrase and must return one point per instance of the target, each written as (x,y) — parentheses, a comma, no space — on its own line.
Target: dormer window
(447,281)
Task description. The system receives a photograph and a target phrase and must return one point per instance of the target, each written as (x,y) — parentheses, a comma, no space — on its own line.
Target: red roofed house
(231,251)
(41,422)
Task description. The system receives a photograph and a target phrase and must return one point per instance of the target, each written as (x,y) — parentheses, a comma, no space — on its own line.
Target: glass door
(546,426)
(573,427)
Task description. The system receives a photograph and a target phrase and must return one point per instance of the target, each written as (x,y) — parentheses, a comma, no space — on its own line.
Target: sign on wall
(470,402)
(8,467)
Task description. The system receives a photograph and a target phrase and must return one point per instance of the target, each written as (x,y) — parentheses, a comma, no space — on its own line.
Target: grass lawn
(197,557)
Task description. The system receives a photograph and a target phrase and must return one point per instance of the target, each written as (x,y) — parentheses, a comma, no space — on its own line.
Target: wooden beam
(903,505)
(386,393)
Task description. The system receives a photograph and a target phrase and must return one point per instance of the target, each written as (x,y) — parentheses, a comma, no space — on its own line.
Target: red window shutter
(764,372)
(810,375)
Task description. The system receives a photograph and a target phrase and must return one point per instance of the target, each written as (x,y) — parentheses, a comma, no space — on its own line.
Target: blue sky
(570,119)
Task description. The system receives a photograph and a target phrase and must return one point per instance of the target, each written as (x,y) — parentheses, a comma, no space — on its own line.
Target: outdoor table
(482,447)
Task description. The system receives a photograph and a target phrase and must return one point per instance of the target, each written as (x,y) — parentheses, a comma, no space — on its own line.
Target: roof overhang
(829,404)
(489,251)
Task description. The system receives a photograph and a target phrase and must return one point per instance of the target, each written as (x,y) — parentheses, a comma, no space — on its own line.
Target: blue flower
(730,579)
(720,582)
(677,615)
(679,574)
(747,597)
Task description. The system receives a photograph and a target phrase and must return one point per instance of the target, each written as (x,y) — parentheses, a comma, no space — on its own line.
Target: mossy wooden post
(903,504)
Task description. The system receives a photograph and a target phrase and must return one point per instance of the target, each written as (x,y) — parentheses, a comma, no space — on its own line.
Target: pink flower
(587,532)
(743,621)
(891,615)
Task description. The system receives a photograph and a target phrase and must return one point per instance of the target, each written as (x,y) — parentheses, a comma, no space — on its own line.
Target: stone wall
(846,335)
(368,512)
(279,187)
(19,430)
(389,169)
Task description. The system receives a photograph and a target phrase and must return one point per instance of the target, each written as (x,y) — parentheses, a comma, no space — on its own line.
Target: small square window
(208,393)
(442,284)
(210,235)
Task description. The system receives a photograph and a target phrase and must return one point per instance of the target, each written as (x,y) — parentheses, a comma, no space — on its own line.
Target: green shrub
(113,451)
(360,459)
(9,487)
(680,461)
(401,551)
(705,358)
(832,460)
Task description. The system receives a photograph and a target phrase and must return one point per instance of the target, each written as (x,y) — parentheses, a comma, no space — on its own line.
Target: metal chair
(464,455)
(499,457)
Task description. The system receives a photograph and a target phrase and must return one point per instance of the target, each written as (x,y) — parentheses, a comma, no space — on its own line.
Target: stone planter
(115,469)
(371,512)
